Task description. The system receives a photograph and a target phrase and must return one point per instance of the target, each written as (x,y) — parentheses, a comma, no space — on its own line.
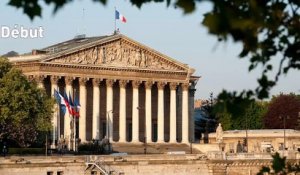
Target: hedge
(26,150)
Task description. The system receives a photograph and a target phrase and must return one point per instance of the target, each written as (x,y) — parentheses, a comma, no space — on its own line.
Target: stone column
(185,113)
(135,111)
(96,109)
(68,116)
(55,118)
(160,113)
(148,108)
(40,81)
(82,112)
(192,91)
(122,111)
(173,120)
(109,109)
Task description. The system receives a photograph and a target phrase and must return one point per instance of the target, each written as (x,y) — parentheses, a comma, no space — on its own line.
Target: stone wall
(188,164)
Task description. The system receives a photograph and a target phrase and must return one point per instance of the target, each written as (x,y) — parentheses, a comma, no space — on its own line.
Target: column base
(52,146)
(160,141)
(149,141)
(122,141)
(136,141)
(173,141)
(185,141)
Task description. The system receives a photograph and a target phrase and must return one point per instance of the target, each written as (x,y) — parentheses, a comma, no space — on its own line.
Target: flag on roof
(120,17)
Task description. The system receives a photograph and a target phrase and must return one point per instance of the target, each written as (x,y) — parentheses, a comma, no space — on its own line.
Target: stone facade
(193,164)
(127,91)
(259,141)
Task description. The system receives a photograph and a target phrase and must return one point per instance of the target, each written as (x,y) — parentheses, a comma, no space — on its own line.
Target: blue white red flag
(120,17)
(60,101)
(73,106)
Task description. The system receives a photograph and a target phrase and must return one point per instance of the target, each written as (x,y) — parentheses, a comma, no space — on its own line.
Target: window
(60,172)
(94,173)
(49,172)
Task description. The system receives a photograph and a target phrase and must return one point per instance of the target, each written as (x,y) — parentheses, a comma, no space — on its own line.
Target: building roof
(79,40)
(258,133)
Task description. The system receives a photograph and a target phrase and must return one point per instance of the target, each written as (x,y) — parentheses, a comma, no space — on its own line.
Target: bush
(26,150)
(90,148)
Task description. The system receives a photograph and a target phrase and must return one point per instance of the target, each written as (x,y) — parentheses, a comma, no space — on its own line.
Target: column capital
(161,85)
(109,83)
(82,81)
(30,77)
(148,84)
(135,83)
(96,82)
(39,78)
(185,86)
(173,85)
(54,79)
(122,83)
(69,80)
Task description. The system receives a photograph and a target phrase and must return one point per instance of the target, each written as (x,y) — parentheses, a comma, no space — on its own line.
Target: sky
(165,29)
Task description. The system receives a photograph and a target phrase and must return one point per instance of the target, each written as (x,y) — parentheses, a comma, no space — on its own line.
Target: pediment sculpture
(117,54)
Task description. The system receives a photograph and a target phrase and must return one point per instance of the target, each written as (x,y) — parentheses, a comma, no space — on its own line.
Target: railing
(100,165)
(219,155)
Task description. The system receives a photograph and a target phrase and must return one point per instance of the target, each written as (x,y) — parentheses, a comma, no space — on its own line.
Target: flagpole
(74,121)
(58,120)
(115,21)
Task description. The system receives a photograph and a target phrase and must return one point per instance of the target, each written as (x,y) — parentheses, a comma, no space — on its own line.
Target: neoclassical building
(128,92)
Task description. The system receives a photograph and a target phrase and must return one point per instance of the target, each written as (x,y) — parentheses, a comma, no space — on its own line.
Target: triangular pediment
(116,51)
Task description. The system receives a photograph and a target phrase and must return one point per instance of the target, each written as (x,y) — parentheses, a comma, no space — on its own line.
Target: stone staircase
(154,148)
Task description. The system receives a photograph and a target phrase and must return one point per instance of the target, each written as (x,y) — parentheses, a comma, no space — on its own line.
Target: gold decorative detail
(148,84)
(82,81)
(135,84)
(173,86)
(161,85)
(39,78)
(69,80)
(109,83)
(96,82)
(54,79)
(185,86)
(122,83)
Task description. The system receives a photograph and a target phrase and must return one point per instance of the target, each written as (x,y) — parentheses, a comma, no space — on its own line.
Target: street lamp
(284,123)
(145,131)
(246,144)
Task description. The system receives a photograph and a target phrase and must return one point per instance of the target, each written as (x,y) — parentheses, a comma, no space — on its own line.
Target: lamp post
(145,131)
(284,126)
(246,134)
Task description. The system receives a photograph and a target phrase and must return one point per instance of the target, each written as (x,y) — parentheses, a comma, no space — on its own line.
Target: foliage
(250,119)
(12,151)
(90,148)
(282,106)
(280,166)
(205,121)
(25,109)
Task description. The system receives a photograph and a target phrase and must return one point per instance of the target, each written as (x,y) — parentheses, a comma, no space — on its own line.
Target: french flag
(120,17)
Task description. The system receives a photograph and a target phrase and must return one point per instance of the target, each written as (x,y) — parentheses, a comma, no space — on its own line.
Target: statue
(219,134)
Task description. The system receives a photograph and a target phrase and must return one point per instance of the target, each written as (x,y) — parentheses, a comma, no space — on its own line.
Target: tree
(280,166)
(25,109)
(269,30)
(251,119)
(283,105)
(205,121)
